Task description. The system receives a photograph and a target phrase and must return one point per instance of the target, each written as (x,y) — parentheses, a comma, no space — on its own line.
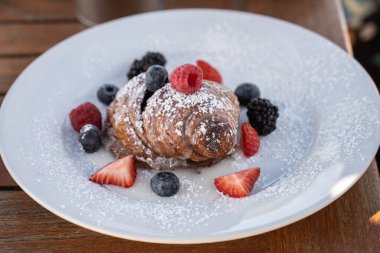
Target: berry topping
(142,65)
(121,172)
(90,138)
(107,93)
(209,72)
(262,115)
(165,184)
(239,184)
(186,78)
(246,92)
(156,77)
(250,140)
(86,113)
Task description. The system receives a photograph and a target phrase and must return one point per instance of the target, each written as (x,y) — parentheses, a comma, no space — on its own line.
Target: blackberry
(262,115)
(142,65)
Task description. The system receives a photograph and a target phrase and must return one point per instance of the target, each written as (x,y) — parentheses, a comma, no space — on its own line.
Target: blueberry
(90,138)
(246,92)
(107,93)
(165,184)
(156,77)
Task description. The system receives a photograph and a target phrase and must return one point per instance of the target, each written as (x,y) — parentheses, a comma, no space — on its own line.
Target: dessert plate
(327,133)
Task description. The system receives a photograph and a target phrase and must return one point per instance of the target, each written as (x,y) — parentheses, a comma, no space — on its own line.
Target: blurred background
(363,19)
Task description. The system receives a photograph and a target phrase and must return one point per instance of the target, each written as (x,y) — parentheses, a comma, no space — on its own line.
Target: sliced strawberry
(239,184)
(186,78)
(83,114)
(250,140)
(121,172)
(209,72)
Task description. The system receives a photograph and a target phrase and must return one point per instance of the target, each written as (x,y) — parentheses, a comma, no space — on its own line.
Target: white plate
(328,130)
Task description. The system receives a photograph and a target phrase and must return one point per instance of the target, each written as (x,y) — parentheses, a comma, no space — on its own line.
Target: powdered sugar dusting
(324,125)
(157,134)
(173,101)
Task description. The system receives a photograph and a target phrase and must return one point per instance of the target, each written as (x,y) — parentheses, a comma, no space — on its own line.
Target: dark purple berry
(107,93)
(142,65)
(165,184)
(90,138)
(155,78)
(246,92)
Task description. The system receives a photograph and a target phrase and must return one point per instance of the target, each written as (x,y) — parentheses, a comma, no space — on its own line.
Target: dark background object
(364,24)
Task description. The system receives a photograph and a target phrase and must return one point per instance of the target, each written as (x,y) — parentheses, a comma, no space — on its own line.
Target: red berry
(239,184)
(250,140)
(86,113)
(121,172)
(209,72)
(186,78)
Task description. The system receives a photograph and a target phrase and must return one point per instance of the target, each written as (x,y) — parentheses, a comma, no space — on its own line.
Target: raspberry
(209,72)
(86,113)
(186,78)
(250,140)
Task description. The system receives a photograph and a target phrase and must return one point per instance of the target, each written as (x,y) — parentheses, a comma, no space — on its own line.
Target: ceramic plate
(327,133)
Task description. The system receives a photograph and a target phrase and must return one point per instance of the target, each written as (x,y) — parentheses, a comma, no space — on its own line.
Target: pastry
(173,129)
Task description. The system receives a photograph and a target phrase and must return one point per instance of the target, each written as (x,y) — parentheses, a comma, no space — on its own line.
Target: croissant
(172,129)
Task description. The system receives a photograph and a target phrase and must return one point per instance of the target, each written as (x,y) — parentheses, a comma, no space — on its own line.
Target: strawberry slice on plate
(209,72)
(250,140)
(121,172)
(237,185)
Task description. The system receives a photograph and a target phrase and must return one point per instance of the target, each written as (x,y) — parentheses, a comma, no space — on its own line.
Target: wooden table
(28,28)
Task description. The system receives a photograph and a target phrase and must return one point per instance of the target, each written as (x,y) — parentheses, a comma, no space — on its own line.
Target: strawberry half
(121,172)
(250,140)
(239,184)
(209,72)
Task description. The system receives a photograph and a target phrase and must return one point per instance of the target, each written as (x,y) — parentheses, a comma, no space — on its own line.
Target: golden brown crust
(174,130)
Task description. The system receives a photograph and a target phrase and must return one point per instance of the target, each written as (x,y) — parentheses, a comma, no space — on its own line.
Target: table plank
(342,226)
(36,11)
(32,39)
(324,16)
(217,4)
(6,181)
(295,11)
(10,68)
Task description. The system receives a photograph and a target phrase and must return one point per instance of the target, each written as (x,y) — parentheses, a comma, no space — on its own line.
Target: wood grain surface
(28,28)
(10,68)
(36,11)
(32,39)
